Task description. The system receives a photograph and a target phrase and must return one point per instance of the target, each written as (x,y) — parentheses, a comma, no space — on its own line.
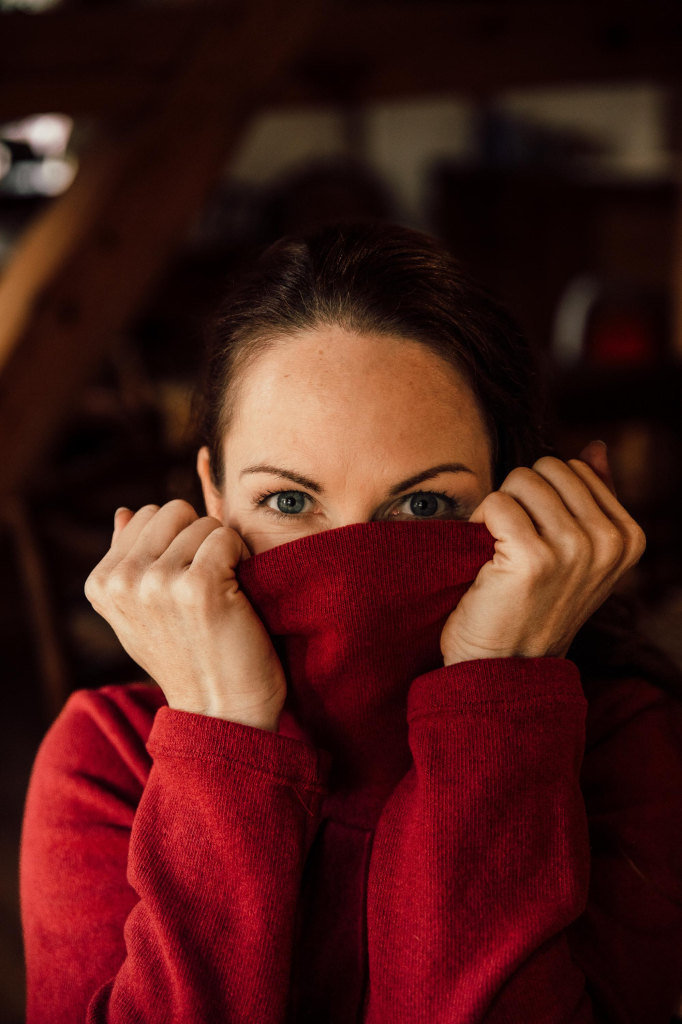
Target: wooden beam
(84,270)
(117,61)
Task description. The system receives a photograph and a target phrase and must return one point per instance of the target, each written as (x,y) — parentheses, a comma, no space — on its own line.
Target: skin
(357,417)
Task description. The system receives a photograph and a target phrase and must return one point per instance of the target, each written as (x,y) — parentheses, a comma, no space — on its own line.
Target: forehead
(337,361)
(337,395)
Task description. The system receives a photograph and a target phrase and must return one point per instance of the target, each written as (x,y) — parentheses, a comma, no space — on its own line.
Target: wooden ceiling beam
(84,268)
(107,62)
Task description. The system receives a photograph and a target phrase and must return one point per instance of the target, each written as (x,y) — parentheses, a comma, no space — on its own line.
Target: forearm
(216,854)
(481,856)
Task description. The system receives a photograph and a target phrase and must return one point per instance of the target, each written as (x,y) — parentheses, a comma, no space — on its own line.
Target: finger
(161,530)
(505,518)
(634,537)
(571,488)
(604,497)
(607,539)
(124,539)
(122,517)
(182,550)
(596,455)
(125,535)
(219,553)
(544,506)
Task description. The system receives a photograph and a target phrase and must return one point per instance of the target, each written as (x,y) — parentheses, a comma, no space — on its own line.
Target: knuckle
(180,507)
(520,475)
(610,545)
(636,543)
(498,500)
(546,462)
(215,523)
(227,540)
(581,546)
(540,562)
(188,590)
(92,587)
(118,584)
(577,546)
(152,585)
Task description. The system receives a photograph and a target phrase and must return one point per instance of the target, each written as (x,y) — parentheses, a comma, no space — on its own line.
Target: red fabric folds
(418,844)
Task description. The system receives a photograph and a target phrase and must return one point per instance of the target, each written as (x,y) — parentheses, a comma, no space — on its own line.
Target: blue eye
(420,505)
(427,504)
(287,503)
(291,501)
(424,504)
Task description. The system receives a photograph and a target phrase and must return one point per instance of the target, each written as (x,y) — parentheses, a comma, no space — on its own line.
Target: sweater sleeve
(481,867)
(171,900)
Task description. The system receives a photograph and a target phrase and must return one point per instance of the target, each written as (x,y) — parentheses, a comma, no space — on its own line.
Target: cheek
(217,509)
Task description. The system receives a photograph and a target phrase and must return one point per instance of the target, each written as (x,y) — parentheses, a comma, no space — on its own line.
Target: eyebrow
(404,485)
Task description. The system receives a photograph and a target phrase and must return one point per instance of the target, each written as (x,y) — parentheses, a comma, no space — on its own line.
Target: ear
(212,496)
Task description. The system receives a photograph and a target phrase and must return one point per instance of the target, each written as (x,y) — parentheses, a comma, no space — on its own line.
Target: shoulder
(99,737)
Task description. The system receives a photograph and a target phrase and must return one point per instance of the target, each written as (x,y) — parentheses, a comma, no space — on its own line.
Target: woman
(368,784)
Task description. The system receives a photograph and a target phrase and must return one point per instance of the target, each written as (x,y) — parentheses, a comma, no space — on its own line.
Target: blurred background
(147,147)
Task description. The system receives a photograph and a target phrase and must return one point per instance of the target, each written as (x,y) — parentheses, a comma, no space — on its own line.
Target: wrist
(268,723)
(455,657)
(264,716)
(463,651)
(466,653)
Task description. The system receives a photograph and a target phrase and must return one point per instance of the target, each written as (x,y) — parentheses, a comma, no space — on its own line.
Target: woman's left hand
(562,542)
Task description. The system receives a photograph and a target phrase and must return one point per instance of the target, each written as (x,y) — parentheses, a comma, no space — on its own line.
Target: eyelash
(263,497)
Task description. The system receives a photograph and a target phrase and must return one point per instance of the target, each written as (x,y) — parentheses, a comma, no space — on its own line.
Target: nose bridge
(357,513)
(350,516)
(359,498)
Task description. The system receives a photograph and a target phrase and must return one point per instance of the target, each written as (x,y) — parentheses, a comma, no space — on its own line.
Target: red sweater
(417,845)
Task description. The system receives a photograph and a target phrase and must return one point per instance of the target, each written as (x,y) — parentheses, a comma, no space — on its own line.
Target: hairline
(253,344)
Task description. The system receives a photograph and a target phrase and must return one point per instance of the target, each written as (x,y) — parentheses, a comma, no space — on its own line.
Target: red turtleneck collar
(356,614)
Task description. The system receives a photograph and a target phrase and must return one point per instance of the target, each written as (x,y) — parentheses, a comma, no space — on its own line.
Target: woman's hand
(562,541)
(167,586)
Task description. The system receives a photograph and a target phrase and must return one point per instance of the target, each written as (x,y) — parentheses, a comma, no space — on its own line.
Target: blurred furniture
(585,269)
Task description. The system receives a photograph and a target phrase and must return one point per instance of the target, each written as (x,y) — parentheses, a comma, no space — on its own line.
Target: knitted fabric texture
(418,844)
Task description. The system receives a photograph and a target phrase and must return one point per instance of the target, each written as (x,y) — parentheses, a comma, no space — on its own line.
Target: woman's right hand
(167,586)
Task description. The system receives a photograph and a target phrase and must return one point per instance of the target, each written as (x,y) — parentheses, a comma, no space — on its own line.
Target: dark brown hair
(389,280)
(376,279)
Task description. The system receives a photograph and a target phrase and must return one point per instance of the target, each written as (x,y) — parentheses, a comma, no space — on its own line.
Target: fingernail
(603,443)
(122,508)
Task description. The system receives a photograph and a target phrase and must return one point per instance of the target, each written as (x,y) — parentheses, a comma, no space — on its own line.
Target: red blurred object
(619,338)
